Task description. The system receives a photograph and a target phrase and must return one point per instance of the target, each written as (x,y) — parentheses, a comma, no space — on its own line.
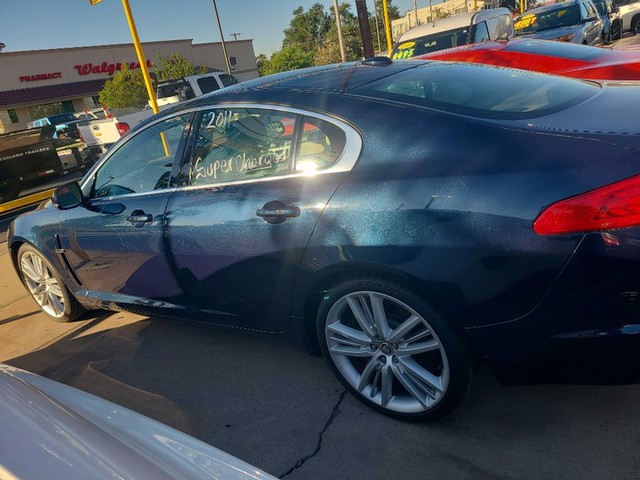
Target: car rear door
(255,187)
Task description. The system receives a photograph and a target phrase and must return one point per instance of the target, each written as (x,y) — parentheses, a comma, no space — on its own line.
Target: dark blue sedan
(405,219)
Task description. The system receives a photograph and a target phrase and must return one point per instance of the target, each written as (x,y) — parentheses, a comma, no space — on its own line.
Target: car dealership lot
(276,407)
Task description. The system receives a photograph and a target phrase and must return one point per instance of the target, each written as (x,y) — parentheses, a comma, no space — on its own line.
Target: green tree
(378,15)
(262,62)
(288,58)
(175,66)
(307,29)
(125,89)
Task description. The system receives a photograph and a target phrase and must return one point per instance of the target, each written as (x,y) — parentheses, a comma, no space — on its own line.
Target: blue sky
(46,24)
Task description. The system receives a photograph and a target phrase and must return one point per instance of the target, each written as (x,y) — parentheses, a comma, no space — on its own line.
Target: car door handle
(277,212)
(138,216)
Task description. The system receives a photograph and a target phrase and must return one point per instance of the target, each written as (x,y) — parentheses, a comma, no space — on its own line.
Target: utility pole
(339,25)
(365,28)
(224,46)
(375,16)
(415,11)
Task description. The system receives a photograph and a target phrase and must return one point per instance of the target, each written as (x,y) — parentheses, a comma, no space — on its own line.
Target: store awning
(23,96)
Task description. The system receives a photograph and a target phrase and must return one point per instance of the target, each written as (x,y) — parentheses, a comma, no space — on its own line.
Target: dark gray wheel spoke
(379,316)
(416,348)
(419,394)
(365,377)
(405,327)
(421,376)
(349,335)
(350,350)
(386,381)
(362,315)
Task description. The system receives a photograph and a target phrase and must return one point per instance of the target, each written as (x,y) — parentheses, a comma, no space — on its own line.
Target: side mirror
(67,196)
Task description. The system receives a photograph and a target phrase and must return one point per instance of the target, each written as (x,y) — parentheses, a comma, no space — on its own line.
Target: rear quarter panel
(448,203)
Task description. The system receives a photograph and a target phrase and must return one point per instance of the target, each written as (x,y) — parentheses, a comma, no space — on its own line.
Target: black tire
(46,287)
(427,364)
(635,25)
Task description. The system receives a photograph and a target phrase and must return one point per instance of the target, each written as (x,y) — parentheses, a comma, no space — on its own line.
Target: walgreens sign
(104,67)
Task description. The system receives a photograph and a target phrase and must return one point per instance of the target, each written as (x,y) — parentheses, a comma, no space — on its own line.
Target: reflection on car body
(559,58)
(403,218)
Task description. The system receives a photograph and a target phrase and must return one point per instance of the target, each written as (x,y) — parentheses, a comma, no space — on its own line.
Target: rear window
(227,79)
(480,91)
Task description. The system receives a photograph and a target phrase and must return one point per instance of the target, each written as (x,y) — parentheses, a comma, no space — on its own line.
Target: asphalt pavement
(272,405)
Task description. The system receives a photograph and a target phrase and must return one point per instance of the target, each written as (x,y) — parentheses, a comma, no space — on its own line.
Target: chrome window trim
(344,163)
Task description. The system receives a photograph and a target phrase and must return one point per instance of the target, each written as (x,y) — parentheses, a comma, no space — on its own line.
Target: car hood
(552,33)
(50,430)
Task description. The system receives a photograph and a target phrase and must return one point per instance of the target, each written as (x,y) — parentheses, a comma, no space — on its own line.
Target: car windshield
(555,18)
(431,43)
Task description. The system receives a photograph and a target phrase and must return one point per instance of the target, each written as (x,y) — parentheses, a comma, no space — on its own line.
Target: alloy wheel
(42,285)
(387,352)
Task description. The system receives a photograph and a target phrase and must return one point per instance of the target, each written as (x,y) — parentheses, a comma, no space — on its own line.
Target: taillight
(122,128)
(606,208)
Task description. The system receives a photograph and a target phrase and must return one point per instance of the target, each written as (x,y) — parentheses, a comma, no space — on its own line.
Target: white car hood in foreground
(50,430)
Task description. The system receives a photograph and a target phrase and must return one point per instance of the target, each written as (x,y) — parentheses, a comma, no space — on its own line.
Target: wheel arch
(329,277)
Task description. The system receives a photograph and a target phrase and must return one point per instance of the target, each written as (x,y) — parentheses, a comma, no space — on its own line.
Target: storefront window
(13,115)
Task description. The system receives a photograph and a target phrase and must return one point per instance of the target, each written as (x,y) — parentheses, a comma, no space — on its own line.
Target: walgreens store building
(35,84)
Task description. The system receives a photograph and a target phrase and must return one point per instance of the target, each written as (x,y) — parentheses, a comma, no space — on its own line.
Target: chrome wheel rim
(44,288)
(387,352)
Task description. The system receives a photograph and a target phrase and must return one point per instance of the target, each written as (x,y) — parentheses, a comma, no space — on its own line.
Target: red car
(560,58)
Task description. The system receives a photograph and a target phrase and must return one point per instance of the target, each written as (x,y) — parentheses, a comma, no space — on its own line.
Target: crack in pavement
(303,460)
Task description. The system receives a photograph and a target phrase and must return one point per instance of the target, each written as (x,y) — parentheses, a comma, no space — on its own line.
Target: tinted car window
(227,79)
(480,91)
(481,32)
(321,144)
(557,49)
(556,18)
(241,144)
(143,163)
(208,84)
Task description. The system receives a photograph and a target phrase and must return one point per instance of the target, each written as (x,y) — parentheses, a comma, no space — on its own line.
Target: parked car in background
(575,21)
(181,89)
(51,430)
(559,58)
(630,14)
(611,20)
(458,29)
(414,217)
(64,123)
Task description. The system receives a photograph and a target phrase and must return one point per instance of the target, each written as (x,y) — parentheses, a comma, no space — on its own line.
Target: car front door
(114,242)
(257,183)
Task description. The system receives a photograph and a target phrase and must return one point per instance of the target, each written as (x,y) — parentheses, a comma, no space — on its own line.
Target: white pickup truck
(173,91)
(102,133)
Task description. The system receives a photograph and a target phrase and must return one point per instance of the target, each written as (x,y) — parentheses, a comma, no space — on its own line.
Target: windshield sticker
(403,54)
(406,45)
(525,22)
